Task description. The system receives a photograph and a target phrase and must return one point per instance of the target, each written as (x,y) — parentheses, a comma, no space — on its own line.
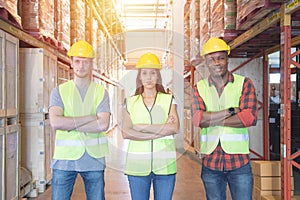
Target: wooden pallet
(6,16)
(256,15)
(45,39)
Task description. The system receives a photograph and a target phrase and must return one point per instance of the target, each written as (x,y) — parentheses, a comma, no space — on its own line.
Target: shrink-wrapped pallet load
(187,34)
(77,20)
(62,23)
(222,16)
(245,7)
(251,12)
(230,14)
(12,7)
(217,18)
(38,17)
(195,30)
(204,22)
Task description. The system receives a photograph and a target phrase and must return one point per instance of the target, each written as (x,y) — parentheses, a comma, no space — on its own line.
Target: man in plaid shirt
(223,106)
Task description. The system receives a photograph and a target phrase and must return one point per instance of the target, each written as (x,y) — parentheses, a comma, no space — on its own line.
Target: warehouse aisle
(188,183)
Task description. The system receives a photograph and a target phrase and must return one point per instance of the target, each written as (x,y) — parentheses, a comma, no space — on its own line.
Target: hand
(171,119)
(237,109)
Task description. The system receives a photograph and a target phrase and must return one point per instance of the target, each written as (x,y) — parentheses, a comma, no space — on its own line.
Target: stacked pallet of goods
(62,24)
(267,180)
(9,114)
(9,11)
(251,12)
(38,19)
(217,19)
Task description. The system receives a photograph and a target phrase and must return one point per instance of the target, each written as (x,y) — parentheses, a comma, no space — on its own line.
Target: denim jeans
(163,186)
(239,180)
(63,182)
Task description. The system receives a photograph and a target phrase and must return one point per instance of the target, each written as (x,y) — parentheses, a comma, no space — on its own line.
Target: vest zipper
(151,155)
(149,111)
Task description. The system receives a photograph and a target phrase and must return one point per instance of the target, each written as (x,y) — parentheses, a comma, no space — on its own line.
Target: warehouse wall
(254,71)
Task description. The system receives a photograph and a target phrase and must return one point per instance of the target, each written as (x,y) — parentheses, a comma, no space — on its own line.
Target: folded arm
(246,113)
(169,128)
(149,131)
(221,118)
(90,123)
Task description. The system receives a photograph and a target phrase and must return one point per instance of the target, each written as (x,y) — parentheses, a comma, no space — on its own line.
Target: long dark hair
(139,85)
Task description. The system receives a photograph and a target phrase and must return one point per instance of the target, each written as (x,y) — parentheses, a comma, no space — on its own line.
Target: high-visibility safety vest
(233,140)
(71,145)
(157,155)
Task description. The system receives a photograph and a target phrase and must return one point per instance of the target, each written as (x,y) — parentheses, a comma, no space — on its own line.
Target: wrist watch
(231,111)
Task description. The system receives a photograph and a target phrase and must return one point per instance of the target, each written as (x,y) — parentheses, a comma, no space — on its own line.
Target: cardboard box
(268,197)
(267,168)
(258,193)
(269,183)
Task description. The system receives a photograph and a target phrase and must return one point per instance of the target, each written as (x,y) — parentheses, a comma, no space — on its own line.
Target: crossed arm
(246,113)
(90,123)
(149,131)
(221,118)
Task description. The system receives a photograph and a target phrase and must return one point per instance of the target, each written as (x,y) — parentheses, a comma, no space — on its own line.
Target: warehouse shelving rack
(27,40)
(269,35)
(30,40)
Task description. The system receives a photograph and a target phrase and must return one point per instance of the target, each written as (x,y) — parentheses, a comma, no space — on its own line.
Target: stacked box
(11,74)
(205,22)
(12,7)
(245,7)
(100,51)
(89,31)
(37,142)
(9,49)
(217,19)
(230,12)
(38,17)
(12,133)
(187,34)
(94,41)
(267,179)
(268,197)
(62,23)
(250,12)
(77,14)
(195,30)
(38,78)
(102,61)
(9,128)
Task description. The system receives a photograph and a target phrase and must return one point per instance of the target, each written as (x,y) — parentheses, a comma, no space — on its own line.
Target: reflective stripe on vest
(233,140)
(89,142)
(158,155)
(225,137)
(145,156)
(71,145)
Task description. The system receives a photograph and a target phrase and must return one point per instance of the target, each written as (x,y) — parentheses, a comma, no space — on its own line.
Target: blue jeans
(163,186)
(239,180)
(63,182)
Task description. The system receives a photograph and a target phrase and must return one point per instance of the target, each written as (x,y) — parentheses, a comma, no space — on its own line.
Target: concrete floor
(188,183)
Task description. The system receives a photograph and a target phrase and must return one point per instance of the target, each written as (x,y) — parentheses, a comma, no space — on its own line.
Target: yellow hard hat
(214,45)
(148,60)
(81,49)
